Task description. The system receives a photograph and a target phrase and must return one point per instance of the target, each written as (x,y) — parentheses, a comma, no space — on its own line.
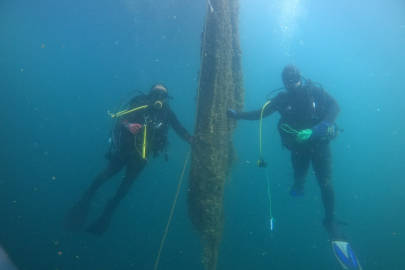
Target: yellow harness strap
(157,105)
(144,143)
(126,111)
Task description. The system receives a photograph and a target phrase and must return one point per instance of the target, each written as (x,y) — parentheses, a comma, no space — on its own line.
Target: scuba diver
(140,130)
(306,127)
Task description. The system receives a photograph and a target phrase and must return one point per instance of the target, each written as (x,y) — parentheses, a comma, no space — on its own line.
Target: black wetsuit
(303,109)
(129,154)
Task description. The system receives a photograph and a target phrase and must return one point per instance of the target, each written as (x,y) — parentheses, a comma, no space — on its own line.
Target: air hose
(261,164)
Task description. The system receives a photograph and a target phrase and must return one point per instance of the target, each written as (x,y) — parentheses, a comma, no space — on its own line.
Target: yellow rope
(171,213)
(196,114)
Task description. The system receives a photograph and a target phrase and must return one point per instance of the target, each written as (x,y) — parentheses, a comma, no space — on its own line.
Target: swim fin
(77,216)
(342,249)
(345,255)
(101,224)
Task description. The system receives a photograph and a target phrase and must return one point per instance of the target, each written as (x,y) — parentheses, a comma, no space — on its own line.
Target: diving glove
(190,139)
(231,113)
(319,131)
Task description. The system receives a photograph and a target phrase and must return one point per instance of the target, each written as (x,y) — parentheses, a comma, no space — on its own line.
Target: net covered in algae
(220,87)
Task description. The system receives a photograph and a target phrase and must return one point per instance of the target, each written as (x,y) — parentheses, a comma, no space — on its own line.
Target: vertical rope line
(202,59)
(195,123)
(171,213)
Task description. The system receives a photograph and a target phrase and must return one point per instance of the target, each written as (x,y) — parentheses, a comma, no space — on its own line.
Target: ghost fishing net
(220,87)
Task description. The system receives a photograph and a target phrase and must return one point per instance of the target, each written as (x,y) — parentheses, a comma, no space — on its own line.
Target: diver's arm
(255,115)
(178,128)
(332,109)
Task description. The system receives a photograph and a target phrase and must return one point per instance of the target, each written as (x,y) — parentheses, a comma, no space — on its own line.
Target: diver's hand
(133,128)
(319,131)
(190,139)
(231,114)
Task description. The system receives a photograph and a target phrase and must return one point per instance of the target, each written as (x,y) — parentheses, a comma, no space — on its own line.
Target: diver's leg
(114,166)
(77,216)
(134,168)
(300,160)
(322,164)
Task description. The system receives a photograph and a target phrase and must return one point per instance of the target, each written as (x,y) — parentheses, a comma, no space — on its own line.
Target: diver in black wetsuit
(305,107)
(130,153)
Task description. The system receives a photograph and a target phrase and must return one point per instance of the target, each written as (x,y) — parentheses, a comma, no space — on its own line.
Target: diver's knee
(327,188)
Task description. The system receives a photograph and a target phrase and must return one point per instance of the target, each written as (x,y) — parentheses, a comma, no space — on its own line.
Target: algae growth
(220,87)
